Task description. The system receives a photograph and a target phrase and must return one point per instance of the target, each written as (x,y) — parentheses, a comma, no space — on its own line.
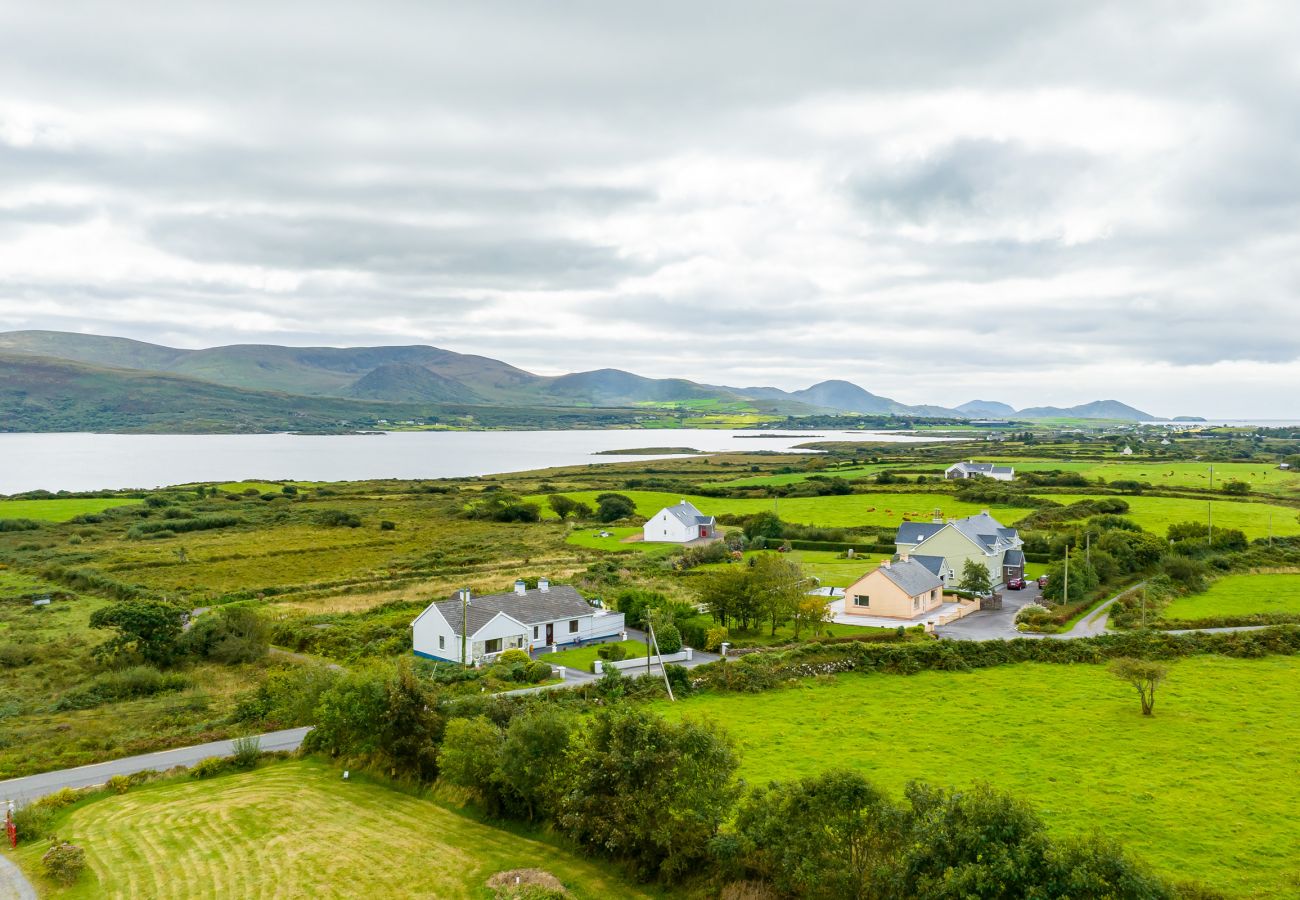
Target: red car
(1042,581)
(1016,584)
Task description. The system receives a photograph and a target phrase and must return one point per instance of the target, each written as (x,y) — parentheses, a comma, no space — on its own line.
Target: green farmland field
(296,829)
(884,509)
(1156,514)
(1240,595)
(59,509)
(1204,789)
(1264,478)
(590,538)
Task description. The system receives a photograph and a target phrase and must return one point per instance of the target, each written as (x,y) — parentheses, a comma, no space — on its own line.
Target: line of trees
(768,590)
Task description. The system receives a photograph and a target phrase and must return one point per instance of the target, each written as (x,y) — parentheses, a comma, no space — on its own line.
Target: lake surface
(87,462)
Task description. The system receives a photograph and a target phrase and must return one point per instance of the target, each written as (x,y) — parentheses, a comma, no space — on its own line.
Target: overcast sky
(1022,201)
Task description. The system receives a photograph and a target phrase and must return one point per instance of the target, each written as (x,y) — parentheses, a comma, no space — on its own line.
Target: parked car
(1042,581)
(1016,584)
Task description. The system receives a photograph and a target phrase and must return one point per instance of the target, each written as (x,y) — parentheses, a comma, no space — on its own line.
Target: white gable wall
(664,527)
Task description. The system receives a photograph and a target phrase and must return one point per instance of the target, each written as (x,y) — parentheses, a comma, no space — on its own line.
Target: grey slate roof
(933,563)
(531,607)
(912,577)
(687,514)
(983,468)
(984,530)
(915,532)
(1014,558)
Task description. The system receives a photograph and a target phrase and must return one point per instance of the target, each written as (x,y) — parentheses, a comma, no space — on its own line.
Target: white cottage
(522,619)
(680,524)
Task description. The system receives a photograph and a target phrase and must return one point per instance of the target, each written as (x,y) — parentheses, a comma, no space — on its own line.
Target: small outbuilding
(680,524)
(898,589)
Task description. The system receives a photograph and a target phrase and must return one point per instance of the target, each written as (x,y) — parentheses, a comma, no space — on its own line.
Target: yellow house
(943,547)
(899,589)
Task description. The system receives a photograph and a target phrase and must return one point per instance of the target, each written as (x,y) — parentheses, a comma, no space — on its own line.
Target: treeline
(663,798)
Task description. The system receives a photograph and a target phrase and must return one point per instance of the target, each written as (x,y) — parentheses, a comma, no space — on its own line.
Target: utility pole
(464,626)
(1211,477)
(1065,596)
(655,641)
(1209,514)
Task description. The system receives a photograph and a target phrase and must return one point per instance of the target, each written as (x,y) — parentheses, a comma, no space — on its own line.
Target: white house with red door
(680,524)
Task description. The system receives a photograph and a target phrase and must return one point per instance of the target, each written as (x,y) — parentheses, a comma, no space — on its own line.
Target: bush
(537,671)
(207,768)
(63,862)
(247,751)
(669,639)
(386,525)
(128,684)
(338,518)
(13,656)
(513,657)
(232,634)
(612,652)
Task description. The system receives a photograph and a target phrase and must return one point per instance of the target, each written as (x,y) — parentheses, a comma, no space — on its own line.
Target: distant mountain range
(51,375)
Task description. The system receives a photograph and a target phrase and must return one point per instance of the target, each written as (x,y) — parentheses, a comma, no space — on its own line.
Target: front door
(550,632)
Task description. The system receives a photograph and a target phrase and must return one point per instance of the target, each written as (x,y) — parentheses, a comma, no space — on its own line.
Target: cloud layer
(1039,203)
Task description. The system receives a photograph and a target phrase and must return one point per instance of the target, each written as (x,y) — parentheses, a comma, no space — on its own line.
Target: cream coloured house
(944,546)
(898,589)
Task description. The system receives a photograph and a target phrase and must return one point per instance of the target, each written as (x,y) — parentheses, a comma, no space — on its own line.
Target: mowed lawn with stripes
(296,829)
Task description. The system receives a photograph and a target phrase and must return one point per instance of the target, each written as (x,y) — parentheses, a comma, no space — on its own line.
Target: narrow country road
(13,883)
(33,787)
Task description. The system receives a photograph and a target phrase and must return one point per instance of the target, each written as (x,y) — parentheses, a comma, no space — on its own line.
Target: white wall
(666,528)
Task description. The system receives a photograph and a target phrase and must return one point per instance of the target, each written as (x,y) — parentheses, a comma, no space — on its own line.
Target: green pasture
(848,472)
(59,509)
(882,509)
(1264,478)
(1204,789)
(1156,514)
(582,657)
(1240,595)
(297,830)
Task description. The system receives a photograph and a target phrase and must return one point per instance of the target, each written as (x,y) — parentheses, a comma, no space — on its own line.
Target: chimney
(886,565)
(903,557)
(463,595)
(543,584)
(984,512)
(520,587)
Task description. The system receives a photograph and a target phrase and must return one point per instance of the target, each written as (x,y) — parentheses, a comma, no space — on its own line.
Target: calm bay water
(85,462)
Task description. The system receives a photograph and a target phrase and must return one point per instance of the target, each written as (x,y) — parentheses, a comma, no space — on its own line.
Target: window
(916,603)
(861,600)
(573,627)
(534,632)
(492,646)
(442,642)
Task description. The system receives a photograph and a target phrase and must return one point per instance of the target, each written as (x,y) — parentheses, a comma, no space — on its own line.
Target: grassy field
(59,509)
(1240,595)
(583,657)
(296,829)
(591,539)
(883,509)
(1264,478)
(1201,790)
(1156,514)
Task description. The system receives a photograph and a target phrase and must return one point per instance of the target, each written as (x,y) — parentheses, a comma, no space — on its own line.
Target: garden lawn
(827,566)
(296,829)
(591,539)
(1156,514)
(582,657)
(1239,595)
(1205,789)
(883,509)
(59,509)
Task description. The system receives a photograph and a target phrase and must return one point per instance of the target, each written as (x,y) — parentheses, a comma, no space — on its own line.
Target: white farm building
(522,619)
(679,524)
(972,469)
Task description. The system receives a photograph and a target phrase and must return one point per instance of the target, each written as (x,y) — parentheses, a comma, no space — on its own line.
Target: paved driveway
(992,624)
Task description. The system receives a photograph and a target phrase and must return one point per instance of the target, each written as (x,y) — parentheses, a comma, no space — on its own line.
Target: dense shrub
(176,526)
(612,652)
(211,767)
(63,863)
(18,525)
(231,634)
(669,639)
(338,518)
(128,684)
(247,751)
